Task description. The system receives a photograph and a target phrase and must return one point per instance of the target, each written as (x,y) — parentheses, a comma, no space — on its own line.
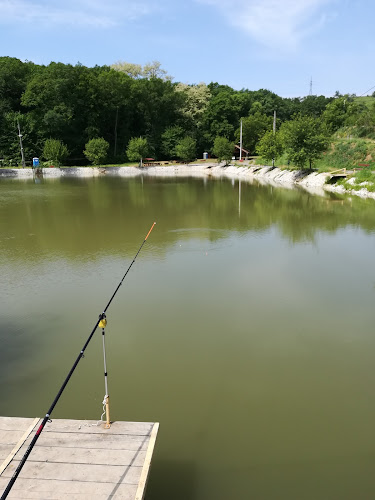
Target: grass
(347,153)
(343,153)
(366,175)
(366,100)
(281,162)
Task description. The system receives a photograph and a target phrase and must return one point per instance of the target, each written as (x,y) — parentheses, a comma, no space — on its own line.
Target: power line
(367,91)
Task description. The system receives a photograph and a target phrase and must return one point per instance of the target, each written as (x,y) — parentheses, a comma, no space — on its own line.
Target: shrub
(223,149)
(270,146)
(137,149)
(55,151)
(96,150)
(186,149)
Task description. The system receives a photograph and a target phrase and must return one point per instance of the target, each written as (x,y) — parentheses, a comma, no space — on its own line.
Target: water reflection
(88,210)
(245,327)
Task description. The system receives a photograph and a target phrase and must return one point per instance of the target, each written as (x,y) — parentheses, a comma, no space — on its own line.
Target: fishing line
(101,321)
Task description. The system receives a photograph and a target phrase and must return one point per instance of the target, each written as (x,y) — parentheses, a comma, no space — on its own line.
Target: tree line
(75,114)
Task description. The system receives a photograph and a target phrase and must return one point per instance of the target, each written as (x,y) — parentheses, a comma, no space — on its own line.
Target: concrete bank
(315,182)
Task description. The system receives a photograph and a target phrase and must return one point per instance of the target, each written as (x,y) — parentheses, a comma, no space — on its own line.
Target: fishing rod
(102,317)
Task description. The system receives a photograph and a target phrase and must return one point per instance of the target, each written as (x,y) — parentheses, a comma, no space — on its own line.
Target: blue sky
(278,45)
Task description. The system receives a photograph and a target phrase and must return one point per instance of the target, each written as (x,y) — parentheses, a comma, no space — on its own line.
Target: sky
(280,45)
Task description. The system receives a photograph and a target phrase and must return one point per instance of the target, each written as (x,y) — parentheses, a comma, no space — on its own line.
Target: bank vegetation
(75,115)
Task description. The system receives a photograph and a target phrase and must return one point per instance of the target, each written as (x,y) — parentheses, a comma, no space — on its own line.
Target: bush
(305,139)
(96,150)
(365,175)
(137,149)
(55,151)
(223,149)
(169,140)
(186,149)
(270,146)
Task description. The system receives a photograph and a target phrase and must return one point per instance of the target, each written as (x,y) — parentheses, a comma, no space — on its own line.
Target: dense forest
(75,104)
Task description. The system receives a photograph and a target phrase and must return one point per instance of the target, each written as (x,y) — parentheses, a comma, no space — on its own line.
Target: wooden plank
(10,437)
(90,427)
(76,472)
(146,466)
(93,456)
(57,490)
(74,440)
(78,460)
(5,450)
(11,455)
(15,423)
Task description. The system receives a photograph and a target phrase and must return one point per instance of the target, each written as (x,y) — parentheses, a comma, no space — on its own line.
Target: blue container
(205,156)
(35,162)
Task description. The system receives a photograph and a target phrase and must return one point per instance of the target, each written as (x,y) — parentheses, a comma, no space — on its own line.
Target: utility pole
(241,142)
(274,132)
(310,86)
(21,146)
(115,152)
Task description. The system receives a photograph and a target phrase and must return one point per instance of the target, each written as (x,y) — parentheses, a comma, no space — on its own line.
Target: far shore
(313,182)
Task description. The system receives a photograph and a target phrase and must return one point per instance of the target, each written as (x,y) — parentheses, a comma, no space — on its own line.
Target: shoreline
(314,182)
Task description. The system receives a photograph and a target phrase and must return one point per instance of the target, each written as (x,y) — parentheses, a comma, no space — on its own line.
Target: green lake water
(245,327)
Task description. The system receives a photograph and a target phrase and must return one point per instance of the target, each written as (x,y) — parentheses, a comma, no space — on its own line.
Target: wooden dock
(77,459)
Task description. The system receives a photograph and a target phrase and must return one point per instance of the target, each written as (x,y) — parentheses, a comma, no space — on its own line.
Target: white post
(241,142)
(21,146)
(115,151)
(274,132)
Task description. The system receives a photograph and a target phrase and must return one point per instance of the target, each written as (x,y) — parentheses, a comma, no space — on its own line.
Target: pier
(77,459)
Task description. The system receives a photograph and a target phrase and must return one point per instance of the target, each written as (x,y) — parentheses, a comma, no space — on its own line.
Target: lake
(245,327)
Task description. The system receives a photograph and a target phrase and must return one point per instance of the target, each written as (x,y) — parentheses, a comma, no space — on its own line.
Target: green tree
(58,101)
(96,150)
(196,99)
(150,70)
(130,69)
(186,149)
(314,105)
(156,106)
(221,116)
(223,149)
(253,128)
(270,146)
(154,70)
(169,140)
(305,139)
(14,75)
(137,149)
(55,151)
(9,141)
(340,112)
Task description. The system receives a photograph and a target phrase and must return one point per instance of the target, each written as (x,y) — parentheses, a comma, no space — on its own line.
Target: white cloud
(94,13)
(278,24)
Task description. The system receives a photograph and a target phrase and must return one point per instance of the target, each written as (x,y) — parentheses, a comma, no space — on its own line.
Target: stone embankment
(313,182)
